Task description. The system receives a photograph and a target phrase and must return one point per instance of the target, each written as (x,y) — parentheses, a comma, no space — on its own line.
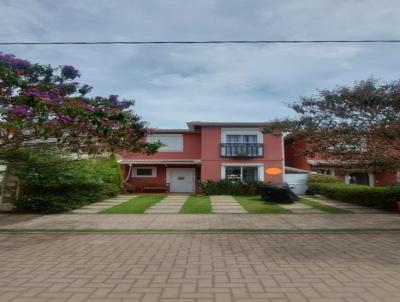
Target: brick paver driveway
(199,267)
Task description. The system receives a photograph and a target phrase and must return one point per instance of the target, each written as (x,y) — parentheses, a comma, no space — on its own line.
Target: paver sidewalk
(97,207)
(347,206)
(171,204)
(299,208)
(224,204)
(199,222)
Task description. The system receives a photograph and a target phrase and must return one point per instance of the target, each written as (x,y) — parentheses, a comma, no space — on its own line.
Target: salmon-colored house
(336,168)
(206,151)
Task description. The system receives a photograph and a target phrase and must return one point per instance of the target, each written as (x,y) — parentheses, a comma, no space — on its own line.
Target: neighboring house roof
(318,162)
(332,162)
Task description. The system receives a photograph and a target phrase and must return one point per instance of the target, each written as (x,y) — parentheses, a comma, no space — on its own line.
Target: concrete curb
(210,231)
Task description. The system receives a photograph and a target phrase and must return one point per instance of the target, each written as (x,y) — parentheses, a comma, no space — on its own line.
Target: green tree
(42,106)
(358,125)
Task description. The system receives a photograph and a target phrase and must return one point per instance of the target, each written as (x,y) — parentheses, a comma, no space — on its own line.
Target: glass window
(241,145)
(171,142)
(144,172)
(250,173)
(244,173)
(233,139)
(233,173)
(249,139)
(244,139)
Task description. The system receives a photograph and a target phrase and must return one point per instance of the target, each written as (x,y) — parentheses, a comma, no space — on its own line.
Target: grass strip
(197,205)
(137,205)
(323,207)
(255,205)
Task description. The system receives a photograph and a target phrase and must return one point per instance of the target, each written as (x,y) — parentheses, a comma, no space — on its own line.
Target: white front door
(181,179)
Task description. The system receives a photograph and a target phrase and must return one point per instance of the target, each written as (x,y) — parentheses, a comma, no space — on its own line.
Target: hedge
(52,184)
(229,187)
(320,178)
(377,197)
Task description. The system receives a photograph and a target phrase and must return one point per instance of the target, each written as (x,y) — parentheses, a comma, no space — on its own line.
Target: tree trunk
(10,191)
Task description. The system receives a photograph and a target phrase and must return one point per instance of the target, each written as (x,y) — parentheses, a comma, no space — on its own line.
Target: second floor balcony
(241,150)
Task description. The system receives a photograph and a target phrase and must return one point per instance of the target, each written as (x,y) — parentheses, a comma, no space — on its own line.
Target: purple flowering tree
(41,105)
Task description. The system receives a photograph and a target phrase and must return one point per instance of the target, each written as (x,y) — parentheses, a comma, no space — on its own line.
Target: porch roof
(296,170)
(160,161)
(333,162)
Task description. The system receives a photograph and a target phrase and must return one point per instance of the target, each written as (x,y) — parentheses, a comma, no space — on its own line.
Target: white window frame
(260,167)
(180,144)
(242,131)
(371,178)
(153,173)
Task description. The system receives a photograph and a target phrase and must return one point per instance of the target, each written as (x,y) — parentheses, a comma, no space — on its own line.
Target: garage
(296,179)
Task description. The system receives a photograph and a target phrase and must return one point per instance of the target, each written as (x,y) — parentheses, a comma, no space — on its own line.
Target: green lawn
(323,207)
(255,205)
(136,205)
(197,205)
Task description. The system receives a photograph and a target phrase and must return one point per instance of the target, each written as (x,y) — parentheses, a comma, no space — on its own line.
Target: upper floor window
(241,143)
(241,138)
(171,142)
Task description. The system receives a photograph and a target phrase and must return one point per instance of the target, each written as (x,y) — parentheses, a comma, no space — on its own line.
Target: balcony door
(242,145)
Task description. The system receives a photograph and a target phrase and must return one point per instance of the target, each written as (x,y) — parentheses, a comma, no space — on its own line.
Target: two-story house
(207,151)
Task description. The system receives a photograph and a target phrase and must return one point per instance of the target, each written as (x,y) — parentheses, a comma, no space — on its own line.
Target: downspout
(128,175)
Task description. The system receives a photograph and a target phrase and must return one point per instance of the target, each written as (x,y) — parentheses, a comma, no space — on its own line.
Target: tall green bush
(320,178)
(229,187)
(53,183)
(377,197)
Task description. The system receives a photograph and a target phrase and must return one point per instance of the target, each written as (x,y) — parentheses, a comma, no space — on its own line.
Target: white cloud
(173,84)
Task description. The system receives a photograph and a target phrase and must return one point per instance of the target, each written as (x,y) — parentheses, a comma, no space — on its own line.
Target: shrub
(320,178)
(378,197)
(128,187)
(52,183)
(229,187)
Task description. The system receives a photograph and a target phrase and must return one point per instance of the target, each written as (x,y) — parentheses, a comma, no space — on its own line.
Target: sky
(173,84)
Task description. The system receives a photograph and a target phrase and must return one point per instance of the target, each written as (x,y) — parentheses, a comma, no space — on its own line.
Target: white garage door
(297,182)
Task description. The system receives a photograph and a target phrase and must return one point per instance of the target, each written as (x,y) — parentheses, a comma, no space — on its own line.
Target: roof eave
(193,124)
